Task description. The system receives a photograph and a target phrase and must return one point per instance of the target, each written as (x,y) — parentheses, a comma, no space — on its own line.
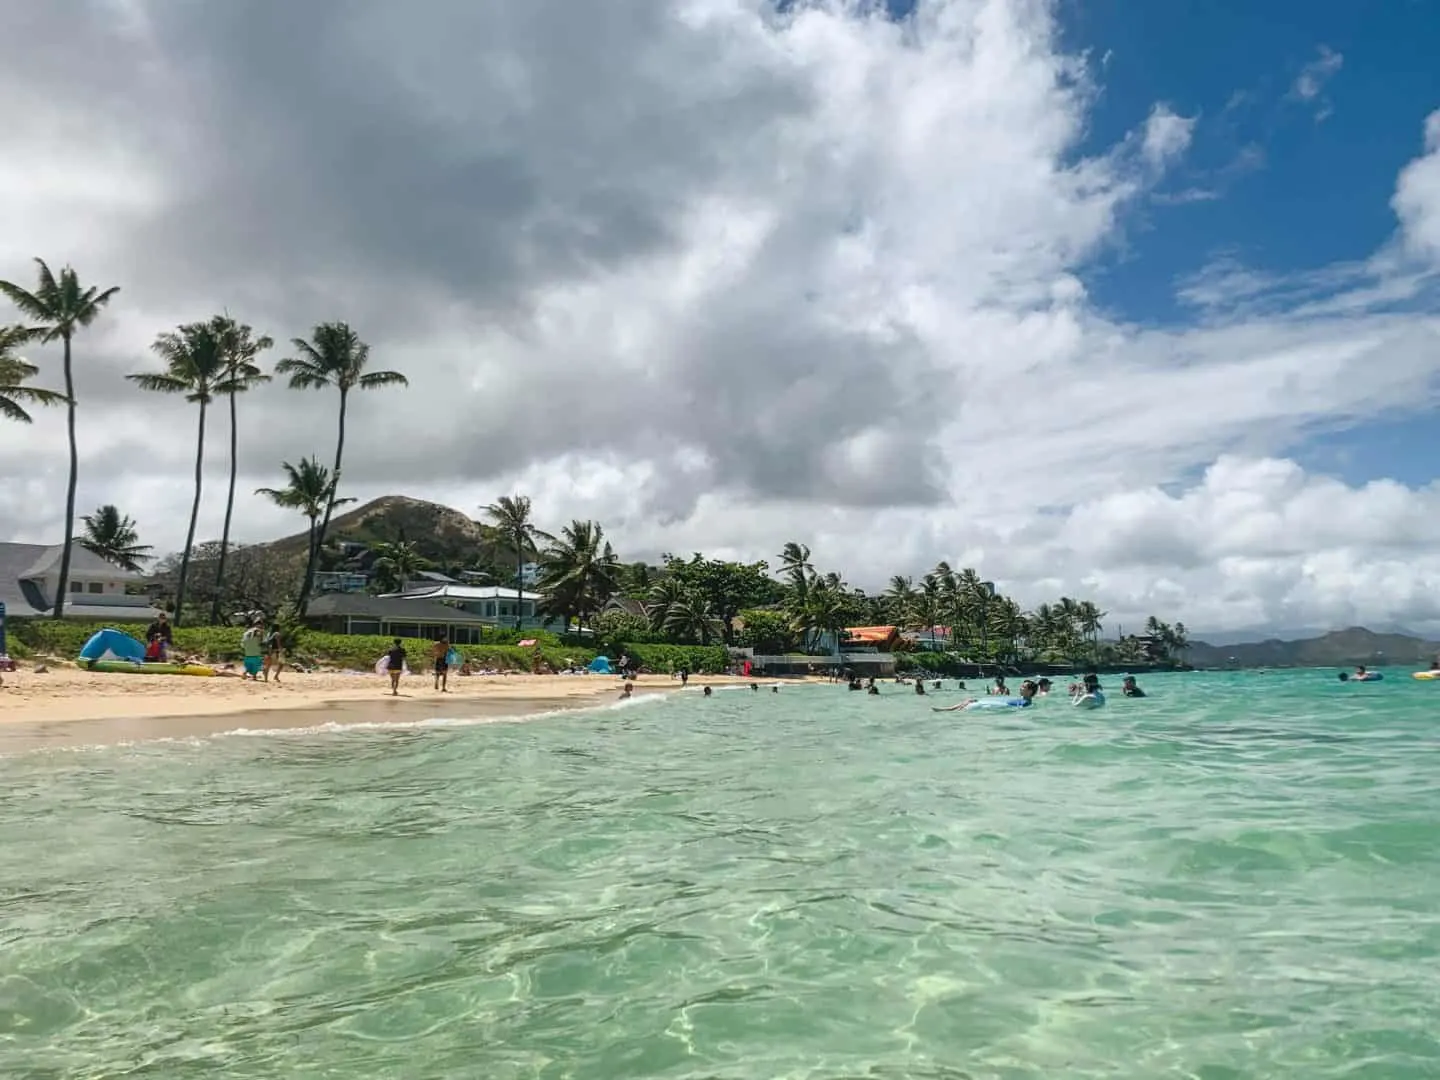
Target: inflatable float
(1092,700)
(997,703)
(114,652)
(1433,675)
(139,667)
(1369,676)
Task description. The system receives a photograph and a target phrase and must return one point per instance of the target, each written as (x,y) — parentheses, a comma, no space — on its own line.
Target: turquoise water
(1238,876)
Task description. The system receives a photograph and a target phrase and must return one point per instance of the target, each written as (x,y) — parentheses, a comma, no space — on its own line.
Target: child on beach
(395,665)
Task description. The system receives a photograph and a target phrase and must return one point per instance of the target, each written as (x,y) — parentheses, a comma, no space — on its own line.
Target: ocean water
(1236,877)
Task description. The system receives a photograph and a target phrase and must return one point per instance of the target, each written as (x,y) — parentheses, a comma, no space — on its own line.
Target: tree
(333,357)
(724,587)
(260,581)
(59,308)
(310,489)
(510,517)
(579,571)
(112,536)
(14,372)
(396,562)
(194,367)
(767,632)
(240,347)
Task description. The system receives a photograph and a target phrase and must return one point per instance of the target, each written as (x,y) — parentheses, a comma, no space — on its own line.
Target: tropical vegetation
(56,309)
(587,593)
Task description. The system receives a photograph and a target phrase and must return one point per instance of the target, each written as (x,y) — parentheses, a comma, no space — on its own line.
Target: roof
(870,635)
(20,564)
(391,609)
(630,606)
(464,593)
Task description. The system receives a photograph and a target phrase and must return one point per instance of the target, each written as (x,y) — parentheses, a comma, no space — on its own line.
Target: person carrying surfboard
(395,666)
(440,653)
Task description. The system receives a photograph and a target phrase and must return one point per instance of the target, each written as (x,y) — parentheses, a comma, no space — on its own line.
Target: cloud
(717,275)
(1167,136)
(1417,196)
(1309,85)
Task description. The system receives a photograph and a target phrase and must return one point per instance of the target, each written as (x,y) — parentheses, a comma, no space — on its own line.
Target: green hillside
(1339,648)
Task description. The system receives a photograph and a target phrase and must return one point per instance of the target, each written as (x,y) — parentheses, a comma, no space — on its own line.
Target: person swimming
(1091,696)
(1026,698)
(1129,688)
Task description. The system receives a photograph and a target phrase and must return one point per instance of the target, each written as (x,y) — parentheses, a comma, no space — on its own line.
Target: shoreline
(69,707)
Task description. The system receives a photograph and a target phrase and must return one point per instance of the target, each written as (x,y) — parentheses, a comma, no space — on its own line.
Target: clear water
(1237,877)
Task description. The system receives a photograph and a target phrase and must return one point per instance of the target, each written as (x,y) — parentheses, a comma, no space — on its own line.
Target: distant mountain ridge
(1339,648)
(440,533)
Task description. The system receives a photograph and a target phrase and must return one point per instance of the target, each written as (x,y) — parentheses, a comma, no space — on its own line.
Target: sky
(1126,301)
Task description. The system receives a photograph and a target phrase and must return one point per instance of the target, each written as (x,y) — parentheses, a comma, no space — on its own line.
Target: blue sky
(1298,184)
(1290,183)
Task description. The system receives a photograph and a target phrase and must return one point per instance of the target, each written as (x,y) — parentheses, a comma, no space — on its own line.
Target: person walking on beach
(274,653)
(395,666)
(440,653)
(253,651)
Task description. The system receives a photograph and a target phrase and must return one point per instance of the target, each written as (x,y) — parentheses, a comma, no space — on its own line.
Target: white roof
(466,593)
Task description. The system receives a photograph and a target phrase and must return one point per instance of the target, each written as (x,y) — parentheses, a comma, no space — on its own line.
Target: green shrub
(660,659)
(220,644)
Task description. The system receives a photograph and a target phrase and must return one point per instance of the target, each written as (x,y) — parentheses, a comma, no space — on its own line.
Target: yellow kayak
(128,667)
(1432,674)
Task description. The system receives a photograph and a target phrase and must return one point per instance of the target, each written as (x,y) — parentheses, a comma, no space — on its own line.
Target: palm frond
(161,384)
(373,379)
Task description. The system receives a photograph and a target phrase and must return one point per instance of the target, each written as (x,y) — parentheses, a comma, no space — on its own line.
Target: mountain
(1339,648)
(440,534)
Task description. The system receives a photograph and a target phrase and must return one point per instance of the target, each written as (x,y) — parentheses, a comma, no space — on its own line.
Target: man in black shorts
(440,651)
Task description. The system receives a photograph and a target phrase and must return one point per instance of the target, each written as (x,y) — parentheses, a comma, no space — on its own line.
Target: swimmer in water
(1027,695)
(1129,688)
(707,691)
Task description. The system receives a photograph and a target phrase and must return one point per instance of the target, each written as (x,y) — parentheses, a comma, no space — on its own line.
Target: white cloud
(1417,196)
(1309,85)
(718,277)
(1167,135)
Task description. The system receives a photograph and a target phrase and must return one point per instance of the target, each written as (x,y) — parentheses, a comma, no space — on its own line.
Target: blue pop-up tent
(601,666)
(111,644)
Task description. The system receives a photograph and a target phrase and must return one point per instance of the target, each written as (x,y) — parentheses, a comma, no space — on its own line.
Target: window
(77,586)
(96,587)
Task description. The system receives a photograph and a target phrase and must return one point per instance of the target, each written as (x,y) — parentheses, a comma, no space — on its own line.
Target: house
(497,604)
(628,605)
(341,581)
(869,638)
(29,574)
(395,616)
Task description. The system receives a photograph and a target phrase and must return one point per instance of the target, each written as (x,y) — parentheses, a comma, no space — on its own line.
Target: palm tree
(240,348)
(900,601)
(691,619)
(580,571)
(194,366)
(60,308)
(665,595)
(335,356)
(309,489)
(396,563)
(14,371)
(795,565)
(112,536)
(510,517)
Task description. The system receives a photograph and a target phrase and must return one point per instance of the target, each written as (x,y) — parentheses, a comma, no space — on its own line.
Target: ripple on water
(1218,881)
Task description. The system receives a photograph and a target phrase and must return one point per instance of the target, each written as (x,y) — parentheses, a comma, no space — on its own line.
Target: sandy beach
(68,706)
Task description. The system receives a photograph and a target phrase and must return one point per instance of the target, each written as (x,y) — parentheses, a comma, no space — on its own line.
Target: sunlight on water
(1236,877)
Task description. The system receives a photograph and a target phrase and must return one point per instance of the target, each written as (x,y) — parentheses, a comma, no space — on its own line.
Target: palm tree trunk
(229,509)
(194,517)
(309,582)
(63,585)
(520,583)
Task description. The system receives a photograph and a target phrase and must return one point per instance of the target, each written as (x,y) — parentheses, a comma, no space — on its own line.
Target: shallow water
(1238,876)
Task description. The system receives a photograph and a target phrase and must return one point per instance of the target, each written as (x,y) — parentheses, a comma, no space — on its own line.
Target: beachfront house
(98,591)
(869,650)
(460,611)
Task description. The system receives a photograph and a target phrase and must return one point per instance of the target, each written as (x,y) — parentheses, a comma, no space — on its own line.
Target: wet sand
(69,707)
